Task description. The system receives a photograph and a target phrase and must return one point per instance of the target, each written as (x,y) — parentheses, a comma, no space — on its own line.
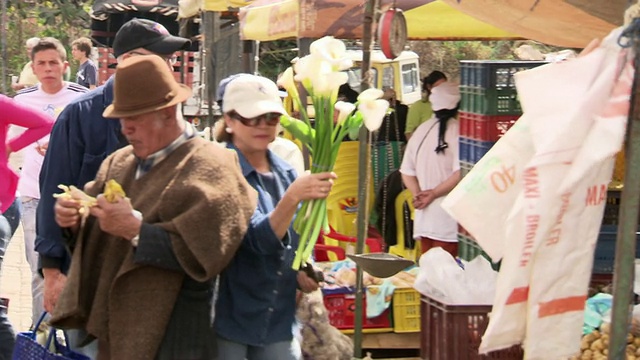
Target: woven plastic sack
(28,348)
(542,188)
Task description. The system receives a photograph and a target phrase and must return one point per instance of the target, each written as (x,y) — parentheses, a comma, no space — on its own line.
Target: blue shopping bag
(27,348)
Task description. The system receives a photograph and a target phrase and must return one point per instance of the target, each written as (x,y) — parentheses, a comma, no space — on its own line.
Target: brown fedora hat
(144,84)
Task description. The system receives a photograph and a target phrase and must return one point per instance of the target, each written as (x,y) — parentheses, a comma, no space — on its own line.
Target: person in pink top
(37,124)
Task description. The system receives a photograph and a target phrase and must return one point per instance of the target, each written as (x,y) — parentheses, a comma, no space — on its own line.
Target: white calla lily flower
(308,67)
(328,84)
(333,51)
(370,95)
(344,110)
(373,112)
(287,82)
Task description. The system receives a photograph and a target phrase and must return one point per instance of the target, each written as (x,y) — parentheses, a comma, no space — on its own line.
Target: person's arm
(413,120)
(38,123)
(447,185)
(411,183)
(61,165)
(268,233)
(91,75)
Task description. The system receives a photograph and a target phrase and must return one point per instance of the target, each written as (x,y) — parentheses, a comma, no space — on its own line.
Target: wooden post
(363,165)
(624,270)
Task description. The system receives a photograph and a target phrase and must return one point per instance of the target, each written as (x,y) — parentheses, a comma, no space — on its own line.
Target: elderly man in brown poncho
(144,267)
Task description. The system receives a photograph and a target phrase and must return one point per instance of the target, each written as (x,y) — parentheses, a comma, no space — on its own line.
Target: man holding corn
(143,270)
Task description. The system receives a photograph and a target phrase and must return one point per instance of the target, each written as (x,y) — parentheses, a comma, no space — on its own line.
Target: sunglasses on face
(271,119)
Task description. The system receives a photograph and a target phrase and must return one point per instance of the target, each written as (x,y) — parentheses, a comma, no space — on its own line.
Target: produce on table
(595,345)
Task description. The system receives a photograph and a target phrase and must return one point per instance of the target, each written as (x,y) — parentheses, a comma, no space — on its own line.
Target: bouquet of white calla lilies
(321,75)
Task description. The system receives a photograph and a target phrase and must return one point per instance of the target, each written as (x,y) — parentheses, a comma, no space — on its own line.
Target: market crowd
(150,222)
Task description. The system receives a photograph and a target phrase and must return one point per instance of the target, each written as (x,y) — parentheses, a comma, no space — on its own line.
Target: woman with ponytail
(431,168)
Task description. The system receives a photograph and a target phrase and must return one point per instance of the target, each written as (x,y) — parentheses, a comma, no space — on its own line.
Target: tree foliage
(64,20)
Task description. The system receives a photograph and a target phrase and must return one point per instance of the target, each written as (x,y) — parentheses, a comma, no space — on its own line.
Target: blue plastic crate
(465,149)
(492,74)
(479,149)
(604,256)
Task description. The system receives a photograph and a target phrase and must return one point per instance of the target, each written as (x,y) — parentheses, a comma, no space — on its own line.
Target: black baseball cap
(143,33)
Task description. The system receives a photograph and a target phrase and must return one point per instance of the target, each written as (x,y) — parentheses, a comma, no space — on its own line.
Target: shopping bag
(27,348)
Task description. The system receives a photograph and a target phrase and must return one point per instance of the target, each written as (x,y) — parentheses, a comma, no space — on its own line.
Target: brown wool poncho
(199,196)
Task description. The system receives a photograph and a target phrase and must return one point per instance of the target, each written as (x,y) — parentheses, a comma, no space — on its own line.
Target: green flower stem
(306,238)
(317,226)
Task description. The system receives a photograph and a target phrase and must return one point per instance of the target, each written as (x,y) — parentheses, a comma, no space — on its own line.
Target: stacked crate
(489,106)
(107,64)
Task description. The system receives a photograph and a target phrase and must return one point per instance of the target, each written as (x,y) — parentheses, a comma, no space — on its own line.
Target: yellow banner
(224,5)
(265,21)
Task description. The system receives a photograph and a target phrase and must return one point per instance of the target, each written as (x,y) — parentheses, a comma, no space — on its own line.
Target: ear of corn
(112,192)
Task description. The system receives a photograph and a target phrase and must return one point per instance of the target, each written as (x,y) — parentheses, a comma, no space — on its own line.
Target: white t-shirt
(289,152)
(430,168)
(52,104)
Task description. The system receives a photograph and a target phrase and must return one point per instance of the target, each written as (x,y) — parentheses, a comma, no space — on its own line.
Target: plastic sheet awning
(567,23)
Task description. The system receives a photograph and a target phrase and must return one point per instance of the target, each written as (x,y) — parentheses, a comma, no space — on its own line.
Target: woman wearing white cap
(431,168)
(255,310)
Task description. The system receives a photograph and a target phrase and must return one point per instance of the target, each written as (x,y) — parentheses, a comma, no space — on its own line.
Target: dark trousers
(9,222)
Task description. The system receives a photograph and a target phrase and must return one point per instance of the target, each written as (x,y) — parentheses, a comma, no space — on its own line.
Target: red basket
(454,332)
(485,127)
(342,307)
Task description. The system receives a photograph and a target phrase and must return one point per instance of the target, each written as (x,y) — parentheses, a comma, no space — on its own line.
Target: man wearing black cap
(80,140)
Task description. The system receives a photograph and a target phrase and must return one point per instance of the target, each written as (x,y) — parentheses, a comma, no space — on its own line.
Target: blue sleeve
(260,238)
(61,165)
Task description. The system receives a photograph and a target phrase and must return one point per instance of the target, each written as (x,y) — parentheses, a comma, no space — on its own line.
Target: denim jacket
(81,138)
(257,291)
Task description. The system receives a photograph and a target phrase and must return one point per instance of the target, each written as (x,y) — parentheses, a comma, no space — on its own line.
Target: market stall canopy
(567,23)
(102,9)
(277,19)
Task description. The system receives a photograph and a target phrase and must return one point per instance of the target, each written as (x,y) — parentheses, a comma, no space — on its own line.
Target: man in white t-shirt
(50,95)
(431,168)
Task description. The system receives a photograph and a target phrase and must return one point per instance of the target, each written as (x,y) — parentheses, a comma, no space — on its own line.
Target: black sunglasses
(271,119)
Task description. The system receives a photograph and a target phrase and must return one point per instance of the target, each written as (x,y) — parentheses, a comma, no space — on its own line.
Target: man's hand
(117,218)
(305,283)
(67,213)
(54,282)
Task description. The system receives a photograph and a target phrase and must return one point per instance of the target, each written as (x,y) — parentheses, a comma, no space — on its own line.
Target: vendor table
(391,340)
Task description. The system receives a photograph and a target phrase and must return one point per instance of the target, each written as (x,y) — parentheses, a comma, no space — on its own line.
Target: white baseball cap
(251,96)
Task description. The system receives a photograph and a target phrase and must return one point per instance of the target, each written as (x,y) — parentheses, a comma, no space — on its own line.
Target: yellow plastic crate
(406,310)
